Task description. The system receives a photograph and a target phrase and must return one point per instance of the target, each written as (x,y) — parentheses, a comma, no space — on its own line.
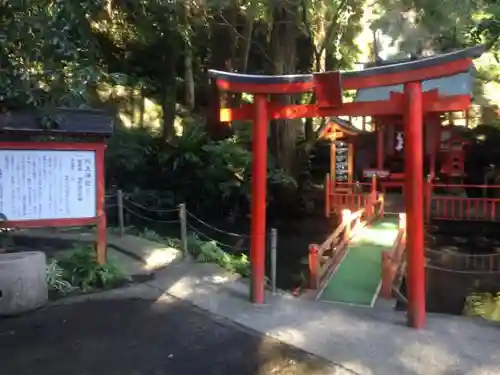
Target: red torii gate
(328,88)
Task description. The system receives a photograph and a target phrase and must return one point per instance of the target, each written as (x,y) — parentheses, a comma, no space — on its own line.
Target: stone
(23,285)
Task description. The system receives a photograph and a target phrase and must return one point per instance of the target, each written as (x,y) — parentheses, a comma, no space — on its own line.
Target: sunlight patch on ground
(388,225)
(216,279)
(288,335)
(161,257)
(376,236)
(185,287)
(443,359)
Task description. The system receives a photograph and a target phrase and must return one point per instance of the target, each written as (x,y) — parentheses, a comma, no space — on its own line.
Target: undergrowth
(79,270)
(205,252)
(485,305)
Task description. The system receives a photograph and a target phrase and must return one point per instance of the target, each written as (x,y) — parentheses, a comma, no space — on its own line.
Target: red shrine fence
(442,201)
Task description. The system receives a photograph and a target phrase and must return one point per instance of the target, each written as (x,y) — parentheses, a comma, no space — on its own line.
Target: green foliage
(47,53)
(5,238)
(205,252)
(80,269)
(485,305)
(210,252)
(55,279)
(486,25)
(190,168)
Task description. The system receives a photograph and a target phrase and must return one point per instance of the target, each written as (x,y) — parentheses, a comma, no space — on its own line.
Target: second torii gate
(329,87)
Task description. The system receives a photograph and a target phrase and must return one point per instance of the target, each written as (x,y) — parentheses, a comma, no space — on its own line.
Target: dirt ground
(136,337)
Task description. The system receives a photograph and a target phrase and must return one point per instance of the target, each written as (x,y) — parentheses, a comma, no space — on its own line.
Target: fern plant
(55,279)
(81,269)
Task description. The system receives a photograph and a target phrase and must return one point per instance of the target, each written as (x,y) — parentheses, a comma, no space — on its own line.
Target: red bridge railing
(351,196)
(394,262)
(322,258)
(442,201)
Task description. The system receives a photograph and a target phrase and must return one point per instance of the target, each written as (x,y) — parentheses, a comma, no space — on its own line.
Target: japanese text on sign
(341,161)
(47,184)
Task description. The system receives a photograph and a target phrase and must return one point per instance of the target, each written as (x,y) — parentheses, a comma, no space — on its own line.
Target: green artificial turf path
(357,278)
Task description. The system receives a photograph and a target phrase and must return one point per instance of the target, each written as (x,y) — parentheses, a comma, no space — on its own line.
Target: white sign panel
(47,184)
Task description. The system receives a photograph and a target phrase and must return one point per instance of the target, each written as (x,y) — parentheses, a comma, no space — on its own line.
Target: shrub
(485,305)
(81,269)
(55,279)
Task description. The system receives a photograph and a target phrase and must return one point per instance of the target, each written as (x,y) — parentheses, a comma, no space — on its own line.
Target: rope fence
(182,223)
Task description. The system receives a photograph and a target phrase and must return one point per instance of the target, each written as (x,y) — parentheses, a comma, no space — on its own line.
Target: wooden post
(121,218)
(183,221)
(313,266)
(380,146)
(414,202)
(328,192)
(274,258)
(346,217)
(101,246)
(428,199)
(350,165)
(333,162)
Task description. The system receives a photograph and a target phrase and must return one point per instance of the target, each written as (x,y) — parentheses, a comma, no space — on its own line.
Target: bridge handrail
(354,199)
(393,261)
(337,242)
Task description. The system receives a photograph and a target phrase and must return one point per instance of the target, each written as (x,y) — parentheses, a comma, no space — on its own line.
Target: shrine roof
(380,69)
(62,121)
(343,125)
(458,84)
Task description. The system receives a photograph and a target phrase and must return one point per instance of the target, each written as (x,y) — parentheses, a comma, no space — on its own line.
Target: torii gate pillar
(259,187)
(414,203)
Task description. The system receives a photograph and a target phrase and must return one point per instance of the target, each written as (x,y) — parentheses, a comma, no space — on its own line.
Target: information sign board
(47,184)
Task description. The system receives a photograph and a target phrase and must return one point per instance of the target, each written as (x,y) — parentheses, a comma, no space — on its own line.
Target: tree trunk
(189,77)
(142,106)
(169,93)
(283,49)
(188,65)
(245,44)
(222,35)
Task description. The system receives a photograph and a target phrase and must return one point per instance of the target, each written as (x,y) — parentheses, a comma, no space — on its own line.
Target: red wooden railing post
(314,266)
(374,191)
(346,219)
(402,221)
(101,244)
(386,285)
(328,188)
(382,205)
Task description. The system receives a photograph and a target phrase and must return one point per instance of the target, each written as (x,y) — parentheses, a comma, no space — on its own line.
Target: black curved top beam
(426,62)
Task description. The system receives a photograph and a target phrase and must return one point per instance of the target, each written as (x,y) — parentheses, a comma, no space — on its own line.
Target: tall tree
(48,54)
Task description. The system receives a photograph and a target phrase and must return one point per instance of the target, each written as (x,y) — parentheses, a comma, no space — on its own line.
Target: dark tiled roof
(61,121)
(458,84)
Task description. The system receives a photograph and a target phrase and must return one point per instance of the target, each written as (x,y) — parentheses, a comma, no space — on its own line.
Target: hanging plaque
(341,161)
